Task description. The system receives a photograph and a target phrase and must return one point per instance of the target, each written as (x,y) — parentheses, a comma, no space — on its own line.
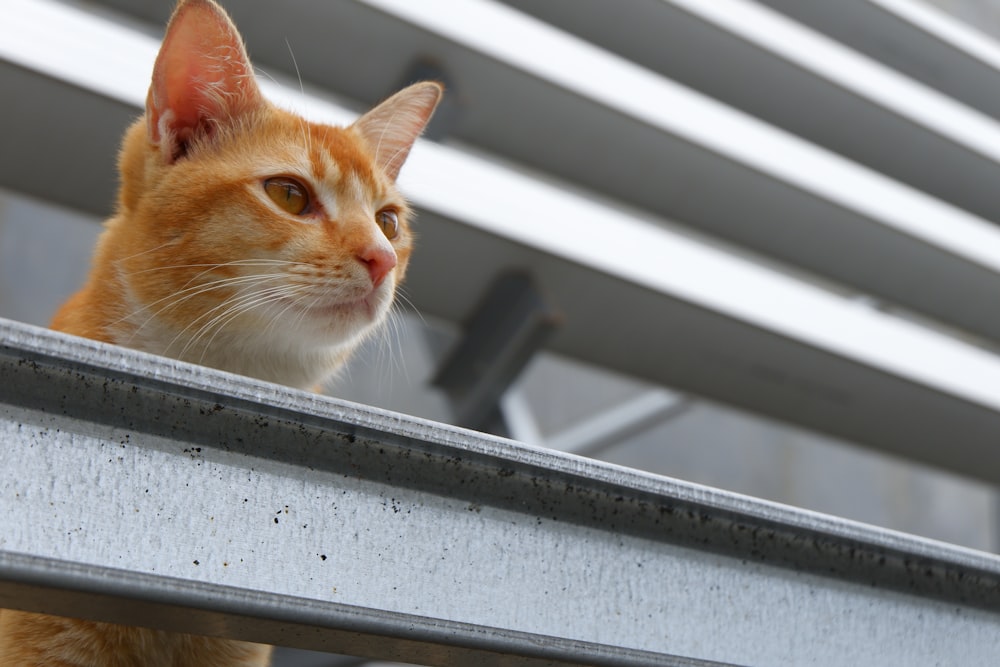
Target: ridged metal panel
(141,490)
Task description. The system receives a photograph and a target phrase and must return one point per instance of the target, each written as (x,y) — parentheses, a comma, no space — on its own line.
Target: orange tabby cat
(247,239)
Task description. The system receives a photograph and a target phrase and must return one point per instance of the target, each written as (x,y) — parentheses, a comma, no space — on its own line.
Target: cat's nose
(378,261)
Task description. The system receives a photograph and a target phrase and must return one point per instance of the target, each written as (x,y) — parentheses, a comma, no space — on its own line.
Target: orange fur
(200,263)
(37,640)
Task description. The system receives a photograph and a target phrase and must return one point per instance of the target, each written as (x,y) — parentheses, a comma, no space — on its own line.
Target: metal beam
(141,490)
(290,657)
(508,327)
(914,38)
(759,61)
(620,422)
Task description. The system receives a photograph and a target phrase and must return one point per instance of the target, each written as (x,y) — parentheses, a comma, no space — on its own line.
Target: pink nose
(379,263)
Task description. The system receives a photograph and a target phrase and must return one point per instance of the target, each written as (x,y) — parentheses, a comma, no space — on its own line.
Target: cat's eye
(389,222)
(291,195)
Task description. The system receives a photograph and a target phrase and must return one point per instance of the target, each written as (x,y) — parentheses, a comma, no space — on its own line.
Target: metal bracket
(511,324)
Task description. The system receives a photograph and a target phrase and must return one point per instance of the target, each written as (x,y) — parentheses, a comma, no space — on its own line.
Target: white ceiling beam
(753,58)
(914,38)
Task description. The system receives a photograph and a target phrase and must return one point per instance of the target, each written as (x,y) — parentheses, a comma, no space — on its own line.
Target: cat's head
(241,224)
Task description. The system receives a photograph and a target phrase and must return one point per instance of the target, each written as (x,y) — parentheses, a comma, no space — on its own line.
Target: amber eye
(389,222)
(288,193)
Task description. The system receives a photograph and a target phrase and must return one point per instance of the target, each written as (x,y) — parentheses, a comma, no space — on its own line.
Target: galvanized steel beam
(138,489)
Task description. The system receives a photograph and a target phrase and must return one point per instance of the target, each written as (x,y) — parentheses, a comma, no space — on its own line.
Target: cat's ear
(202,78)
(391,128)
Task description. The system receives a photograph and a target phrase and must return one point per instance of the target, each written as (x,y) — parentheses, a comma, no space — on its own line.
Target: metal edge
(111,595)
(564,486)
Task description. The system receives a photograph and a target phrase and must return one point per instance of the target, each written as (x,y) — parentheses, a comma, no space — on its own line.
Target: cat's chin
(342,322)
(365,310)
(345,314)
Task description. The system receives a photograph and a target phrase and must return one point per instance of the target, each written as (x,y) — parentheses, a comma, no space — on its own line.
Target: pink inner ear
(202,77)
(393,126)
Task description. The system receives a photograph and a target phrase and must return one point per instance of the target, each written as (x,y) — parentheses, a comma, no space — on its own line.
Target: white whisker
(402,297)
(295,64)
(385,129)
(262,298)
(122,260)
(230,308)
(177,298)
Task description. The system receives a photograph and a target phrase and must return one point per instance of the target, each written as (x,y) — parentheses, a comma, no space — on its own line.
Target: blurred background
(752,245)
